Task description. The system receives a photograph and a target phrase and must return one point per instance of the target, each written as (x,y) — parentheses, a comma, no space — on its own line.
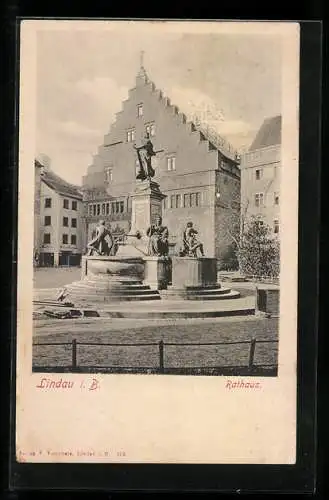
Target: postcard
(157,242)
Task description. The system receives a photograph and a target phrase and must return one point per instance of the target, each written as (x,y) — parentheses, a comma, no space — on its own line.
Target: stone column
(146,205)
(157,272)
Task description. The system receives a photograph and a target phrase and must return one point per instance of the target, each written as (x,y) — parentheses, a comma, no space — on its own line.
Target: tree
(259,251)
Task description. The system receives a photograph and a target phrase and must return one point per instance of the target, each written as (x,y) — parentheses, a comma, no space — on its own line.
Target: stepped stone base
(210,292)
(196,279)
(107,279)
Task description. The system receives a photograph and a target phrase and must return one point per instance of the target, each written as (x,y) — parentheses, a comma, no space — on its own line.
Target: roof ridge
(211,134)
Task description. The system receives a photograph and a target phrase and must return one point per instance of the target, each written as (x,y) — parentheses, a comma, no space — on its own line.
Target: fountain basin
(127,269)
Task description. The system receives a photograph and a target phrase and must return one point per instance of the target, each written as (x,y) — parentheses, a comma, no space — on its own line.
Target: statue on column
(102,242)
(145,153)
(158,239)
(192,246)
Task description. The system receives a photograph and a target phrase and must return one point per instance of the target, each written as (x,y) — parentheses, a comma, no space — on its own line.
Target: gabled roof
(216,141)
(269,134)
(58,184)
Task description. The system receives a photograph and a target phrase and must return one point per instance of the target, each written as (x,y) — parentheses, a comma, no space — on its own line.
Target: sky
(232,81)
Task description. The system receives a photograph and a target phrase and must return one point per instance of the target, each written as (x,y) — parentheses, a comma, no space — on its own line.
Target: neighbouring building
(197,170)
(58,219)
(260,175)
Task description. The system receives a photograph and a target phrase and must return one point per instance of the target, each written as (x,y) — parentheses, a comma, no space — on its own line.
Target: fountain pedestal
(107,279)
(196,279)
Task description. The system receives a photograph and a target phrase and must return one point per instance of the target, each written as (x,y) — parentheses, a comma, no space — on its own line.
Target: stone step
(92,286)
(230,294)
(81,299)
(201,291)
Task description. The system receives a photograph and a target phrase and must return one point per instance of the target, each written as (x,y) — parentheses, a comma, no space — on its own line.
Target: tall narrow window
(130,135)
(140,110)
(276,199)
(259,199)
(186,200)
(150,129)
(197,199)
(103,208)
(73,239)
(121,207)
(171,163)
(177,201)
(74,205)
(259,174)
(108,174)
(90,209)
(46,238)
(47,202)
(47,220)
(107,208)
(65,203)
(94,210)
(65,221)
(98,209)
(74,223)
(276,226)
(172,201)
(65,239)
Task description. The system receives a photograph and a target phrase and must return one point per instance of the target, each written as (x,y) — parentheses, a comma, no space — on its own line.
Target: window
(276,198)
(121,207)
(103,208)
(113,208)
(150,129)
(171,163)
(197,199)
(65,239)
(276,226)
(98,209)
(131,135)
(74,205)
(193,200)
(177,205)
(94,210)
(73,239)
(172,201)
(46,238)
(90,209)
(47,220)
(74,223)
(140,110)
(186,200)
(47,202)
(107,208)
(66,203)
(259,199)
(108,174)
(117,207)
(65,221)
(259,174)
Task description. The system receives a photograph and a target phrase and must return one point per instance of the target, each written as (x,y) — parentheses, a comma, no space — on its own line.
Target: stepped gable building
(198,173)
(260,174)
(58,233)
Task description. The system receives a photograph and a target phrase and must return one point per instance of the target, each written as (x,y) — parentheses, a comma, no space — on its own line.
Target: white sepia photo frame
(162,419)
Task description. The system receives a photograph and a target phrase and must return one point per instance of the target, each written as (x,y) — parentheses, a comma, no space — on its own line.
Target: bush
(259,252)
(229,260)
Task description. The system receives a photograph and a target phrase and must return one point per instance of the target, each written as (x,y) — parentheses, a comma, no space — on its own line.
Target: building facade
(58,225)
(260,175)
(198,173)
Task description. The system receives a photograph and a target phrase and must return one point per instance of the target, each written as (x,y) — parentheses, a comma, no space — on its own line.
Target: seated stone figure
(102,243)
(191,247)
(158,238)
